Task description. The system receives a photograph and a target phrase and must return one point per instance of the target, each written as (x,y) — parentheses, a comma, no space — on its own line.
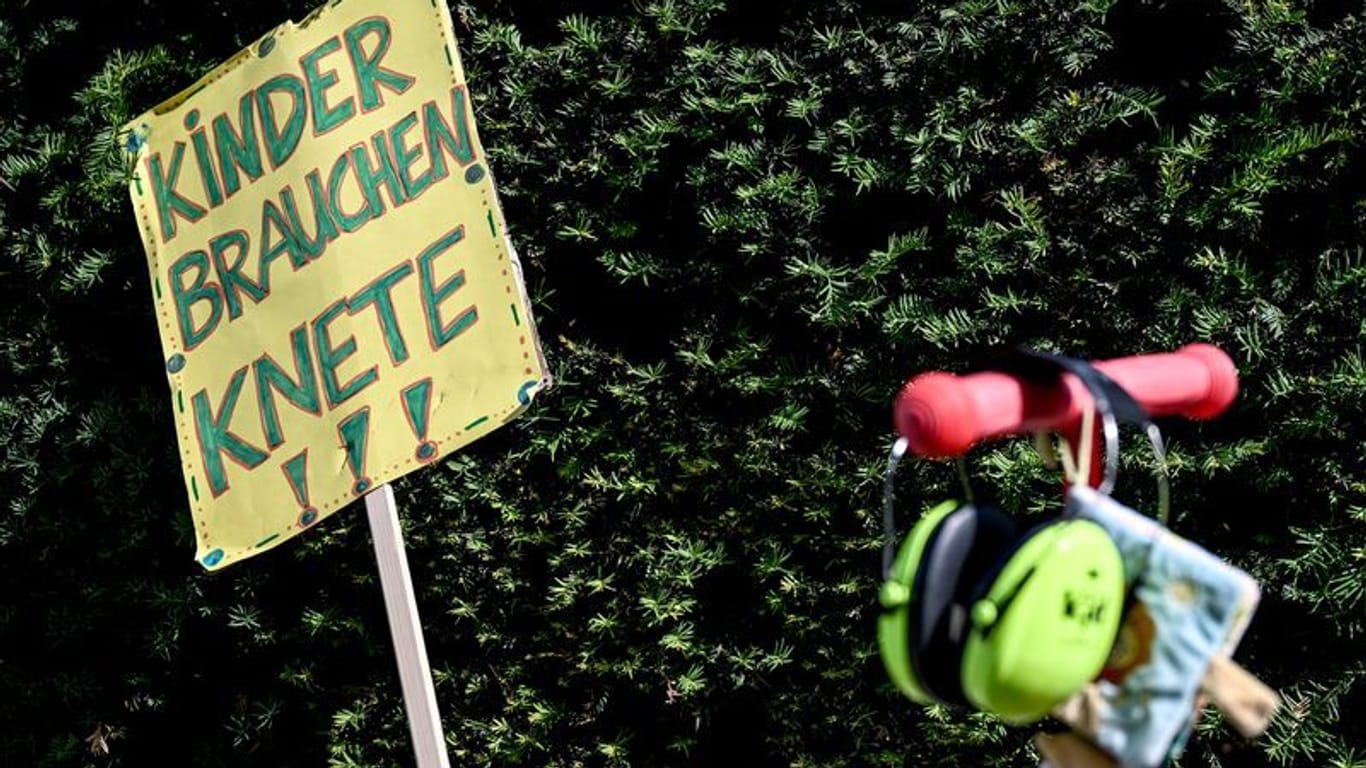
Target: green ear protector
(979,613)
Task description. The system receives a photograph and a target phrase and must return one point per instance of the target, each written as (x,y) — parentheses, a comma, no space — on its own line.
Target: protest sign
(337,300)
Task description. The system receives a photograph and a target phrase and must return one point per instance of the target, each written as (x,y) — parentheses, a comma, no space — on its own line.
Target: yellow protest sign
(337,300)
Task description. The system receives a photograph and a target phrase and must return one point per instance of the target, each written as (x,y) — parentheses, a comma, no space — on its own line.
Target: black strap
(1114,404)
(1044,367)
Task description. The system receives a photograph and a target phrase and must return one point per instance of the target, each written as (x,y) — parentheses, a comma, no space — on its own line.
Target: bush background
(745,225)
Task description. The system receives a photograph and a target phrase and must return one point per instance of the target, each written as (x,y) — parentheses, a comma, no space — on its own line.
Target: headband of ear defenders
(1113,403)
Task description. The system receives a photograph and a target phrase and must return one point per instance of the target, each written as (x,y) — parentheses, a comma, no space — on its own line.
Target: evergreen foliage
(744,225)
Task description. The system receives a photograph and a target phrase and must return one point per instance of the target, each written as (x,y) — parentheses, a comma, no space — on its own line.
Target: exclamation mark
(296,472)
(417,404)
(355,433)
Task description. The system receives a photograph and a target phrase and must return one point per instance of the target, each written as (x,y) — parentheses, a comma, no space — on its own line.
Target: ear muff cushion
(1045,622)
(959,551)
(893,626)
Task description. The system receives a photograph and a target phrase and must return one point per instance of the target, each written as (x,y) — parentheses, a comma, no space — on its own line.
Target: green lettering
(270,251)
(438,332)
(215,437)
(324,119)
(238,150)
(169,201)
(281,142)
(404,157)
(371,177)
(201,290)
(206,172)
(440,136)
(231,274)
(302,392)
(380,293)
(369,74)
(349,223)
(329,357)
(324,229)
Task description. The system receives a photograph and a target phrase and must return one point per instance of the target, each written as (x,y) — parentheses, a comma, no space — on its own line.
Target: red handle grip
(942,415)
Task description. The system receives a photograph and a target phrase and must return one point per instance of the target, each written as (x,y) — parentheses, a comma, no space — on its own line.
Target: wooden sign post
(400,602)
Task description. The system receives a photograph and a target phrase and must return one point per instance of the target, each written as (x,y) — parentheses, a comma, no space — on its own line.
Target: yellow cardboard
(337,301)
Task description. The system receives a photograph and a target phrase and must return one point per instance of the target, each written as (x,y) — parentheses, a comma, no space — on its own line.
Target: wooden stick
(1245,701)
(419,694)
(1068,750)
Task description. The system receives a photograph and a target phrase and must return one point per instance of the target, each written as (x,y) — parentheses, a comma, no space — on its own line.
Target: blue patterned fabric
(1188,607)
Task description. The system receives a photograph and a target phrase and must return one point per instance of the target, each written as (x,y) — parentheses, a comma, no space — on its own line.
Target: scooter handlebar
(942,415)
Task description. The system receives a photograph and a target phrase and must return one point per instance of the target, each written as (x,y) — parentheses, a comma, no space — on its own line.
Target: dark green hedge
(745,225)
